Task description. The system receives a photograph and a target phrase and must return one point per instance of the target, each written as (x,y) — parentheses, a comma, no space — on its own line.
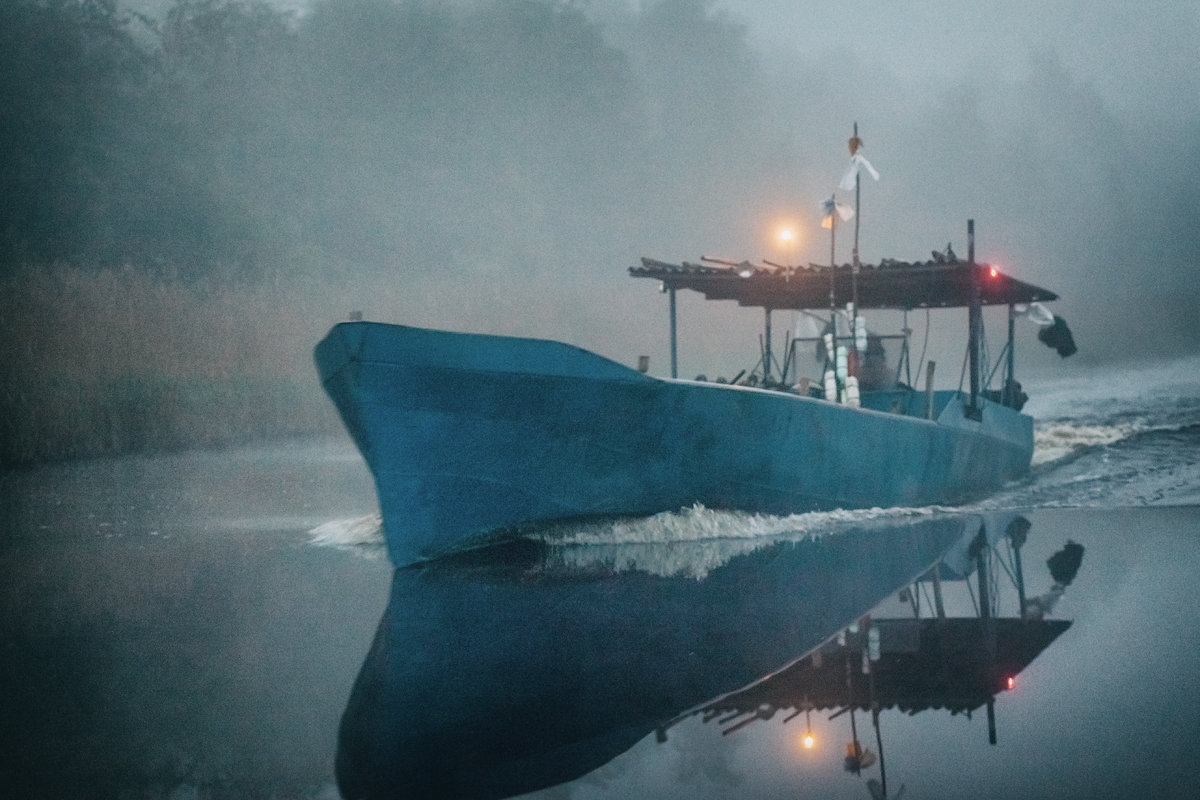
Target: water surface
(193,625)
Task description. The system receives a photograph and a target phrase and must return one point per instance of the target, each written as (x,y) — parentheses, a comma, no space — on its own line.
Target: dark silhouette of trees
(230,132)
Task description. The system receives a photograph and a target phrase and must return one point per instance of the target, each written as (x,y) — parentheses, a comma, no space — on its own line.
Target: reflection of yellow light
(809,741)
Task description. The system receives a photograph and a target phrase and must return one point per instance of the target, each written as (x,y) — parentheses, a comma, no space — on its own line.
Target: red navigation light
(1010,682)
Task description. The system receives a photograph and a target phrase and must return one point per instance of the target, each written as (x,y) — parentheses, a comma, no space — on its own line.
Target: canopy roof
(890,284)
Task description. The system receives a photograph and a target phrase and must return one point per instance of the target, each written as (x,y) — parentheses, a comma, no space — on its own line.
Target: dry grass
(115,361)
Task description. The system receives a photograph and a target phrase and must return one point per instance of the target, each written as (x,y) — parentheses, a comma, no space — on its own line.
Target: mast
(833,261)
(857,164)
(832,344)
(855,143)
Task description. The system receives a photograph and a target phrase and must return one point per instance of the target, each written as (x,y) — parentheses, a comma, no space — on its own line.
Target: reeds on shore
(110,361)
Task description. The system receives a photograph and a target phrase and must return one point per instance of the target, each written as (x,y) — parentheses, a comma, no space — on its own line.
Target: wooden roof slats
(890,284)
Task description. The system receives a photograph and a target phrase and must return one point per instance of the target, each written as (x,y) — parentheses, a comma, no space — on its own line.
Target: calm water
(198,625)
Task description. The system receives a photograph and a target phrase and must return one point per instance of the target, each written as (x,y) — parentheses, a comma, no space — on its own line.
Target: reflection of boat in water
(525,665)
(471,436)
(957,665)
(914,664)
(518,667)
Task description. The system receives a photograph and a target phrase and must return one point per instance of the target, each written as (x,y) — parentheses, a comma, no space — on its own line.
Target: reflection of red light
(1011,682)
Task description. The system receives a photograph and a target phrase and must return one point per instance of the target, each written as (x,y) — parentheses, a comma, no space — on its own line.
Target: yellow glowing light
(809,741)
(786,235)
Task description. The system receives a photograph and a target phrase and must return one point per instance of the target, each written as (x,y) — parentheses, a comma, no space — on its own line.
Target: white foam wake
(691,541)
(1060,439)
(698,523)
(694,541)
(362,534)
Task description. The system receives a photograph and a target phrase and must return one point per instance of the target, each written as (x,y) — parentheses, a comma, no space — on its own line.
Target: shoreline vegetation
(115,361)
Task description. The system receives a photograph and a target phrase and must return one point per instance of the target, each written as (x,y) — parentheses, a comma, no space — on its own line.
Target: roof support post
(974,326)
(767,345)
(674,341)
(1010,387)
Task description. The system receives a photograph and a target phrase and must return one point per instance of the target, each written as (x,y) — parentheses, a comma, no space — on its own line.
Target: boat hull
(470,437)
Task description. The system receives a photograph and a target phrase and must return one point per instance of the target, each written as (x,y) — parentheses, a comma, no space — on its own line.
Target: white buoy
(852,396)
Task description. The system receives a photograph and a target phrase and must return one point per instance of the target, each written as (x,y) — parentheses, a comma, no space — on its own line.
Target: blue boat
(473,438)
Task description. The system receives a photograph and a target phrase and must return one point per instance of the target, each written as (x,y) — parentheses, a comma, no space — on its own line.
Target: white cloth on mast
(857,162)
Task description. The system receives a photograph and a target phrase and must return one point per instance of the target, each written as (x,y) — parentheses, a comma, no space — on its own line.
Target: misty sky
(1095,105)
(1138,56)
(1070,132)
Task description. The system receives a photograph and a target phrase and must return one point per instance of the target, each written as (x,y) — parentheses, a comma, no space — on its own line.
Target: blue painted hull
(470,437)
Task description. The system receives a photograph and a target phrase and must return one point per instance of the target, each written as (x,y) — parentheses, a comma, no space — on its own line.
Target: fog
(1067,130)
(494,166)
(193,191)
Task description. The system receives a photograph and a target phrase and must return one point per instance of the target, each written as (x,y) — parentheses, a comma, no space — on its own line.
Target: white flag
(1035,312)
(829,206)
(857,162)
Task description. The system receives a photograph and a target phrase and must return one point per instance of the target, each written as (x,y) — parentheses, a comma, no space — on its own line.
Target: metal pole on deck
(1010,388)
(767,345)
(929,368)
(674,344)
